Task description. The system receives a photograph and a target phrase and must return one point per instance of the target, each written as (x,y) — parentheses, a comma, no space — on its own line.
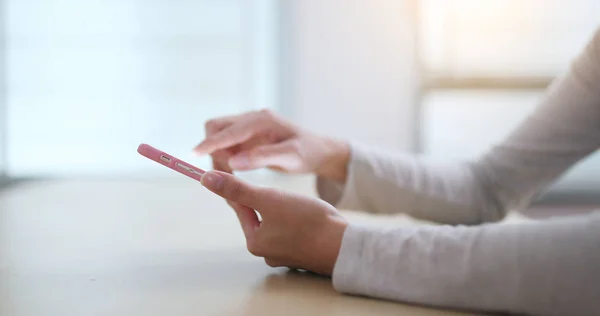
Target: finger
(248,220)
(235,134)
(280,155)
(273,263)
(233,189)
(220,161)
(215,125)
(221,166)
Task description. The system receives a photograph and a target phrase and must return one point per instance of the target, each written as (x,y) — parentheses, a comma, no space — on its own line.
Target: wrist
(329,244)
(335,163)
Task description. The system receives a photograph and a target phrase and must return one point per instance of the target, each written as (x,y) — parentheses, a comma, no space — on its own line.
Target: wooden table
(148,248)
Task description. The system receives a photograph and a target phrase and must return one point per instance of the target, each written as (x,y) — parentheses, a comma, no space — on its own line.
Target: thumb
(233,189)
(248,220)
(272,155)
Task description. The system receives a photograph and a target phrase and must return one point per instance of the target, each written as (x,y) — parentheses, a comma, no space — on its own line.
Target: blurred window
(486,63)
(88,81)
(504,38)
(513,47)
(3,118)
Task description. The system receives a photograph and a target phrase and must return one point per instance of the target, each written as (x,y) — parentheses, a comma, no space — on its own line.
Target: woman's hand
(263,139)
(295,231)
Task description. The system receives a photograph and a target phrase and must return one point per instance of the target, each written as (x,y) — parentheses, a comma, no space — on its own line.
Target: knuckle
(210,125)
(237,190)
(268,114)
(277,197)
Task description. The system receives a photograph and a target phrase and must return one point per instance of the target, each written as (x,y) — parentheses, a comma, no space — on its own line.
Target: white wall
(349,68)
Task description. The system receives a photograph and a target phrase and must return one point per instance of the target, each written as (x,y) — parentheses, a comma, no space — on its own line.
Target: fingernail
(212,180)
(240,161)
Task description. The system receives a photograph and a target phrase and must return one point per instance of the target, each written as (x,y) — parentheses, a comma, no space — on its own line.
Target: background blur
(84,82)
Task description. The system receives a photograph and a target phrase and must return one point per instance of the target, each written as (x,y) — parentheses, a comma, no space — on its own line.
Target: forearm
(385,182)
(541,268)
(334,166)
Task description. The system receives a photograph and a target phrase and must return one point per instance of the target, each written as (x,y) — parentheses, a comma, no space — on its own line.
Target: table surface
(108,247)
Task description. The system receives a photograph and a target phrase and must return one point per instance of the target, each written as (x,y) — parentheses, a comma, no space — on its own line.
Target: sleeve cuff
(348,264)
(364,268)
(342,195)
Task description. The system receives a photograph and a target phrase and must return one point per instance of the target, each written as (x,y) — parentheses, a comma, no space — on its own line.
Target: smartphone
(170,161)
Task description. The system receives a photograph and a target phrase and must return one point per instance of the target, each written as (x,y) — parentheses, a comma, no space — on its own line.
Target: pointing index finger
(232,135)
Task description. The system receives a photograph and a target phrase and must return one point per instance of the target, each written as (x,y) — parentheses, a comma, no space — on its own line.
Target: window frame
(427,82)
